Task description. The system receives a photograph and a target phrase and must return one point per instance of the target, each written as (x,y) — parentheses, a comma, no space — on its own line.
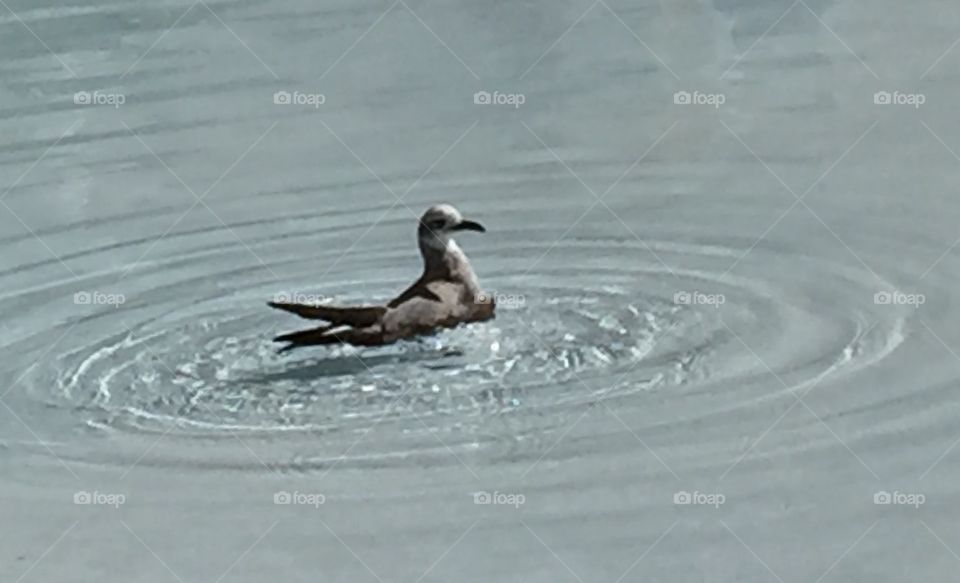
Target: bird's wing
(357,317)
(421,313)
(419,289)
(423,308)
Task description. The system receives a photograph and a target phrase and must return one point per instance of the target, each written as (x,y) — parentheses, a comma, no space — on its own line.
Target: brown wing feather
(418,289)
(357,317)
(372,336)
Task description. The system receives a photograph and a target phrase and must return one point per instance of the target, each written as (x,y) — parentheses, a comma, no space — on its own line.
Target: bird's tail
(359,317)
(331,335)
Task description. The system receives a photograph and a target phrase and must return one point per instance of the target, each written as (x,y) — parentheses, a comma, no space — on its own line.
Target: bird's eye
(437,224)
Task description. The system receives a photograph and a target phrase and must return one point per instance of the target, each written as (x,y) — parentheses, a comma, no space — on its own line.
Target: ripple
(592,320)
(220,372)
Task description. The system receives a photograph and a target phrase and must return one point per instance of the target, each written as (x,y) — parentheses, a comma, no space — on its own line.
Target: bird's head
(440,222)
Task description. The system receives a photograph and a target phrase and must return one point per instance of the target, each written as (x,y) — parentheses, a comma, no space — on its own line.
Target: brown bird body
(446,295)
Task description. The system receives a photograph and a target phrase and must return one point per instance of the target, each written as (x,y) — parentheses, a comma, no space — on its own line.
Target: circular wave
(581,326)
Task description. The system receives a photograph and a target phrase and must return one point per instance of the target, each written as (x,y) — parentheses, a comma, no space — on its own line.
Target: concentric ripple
(580,321)
(578,327)
(220,371)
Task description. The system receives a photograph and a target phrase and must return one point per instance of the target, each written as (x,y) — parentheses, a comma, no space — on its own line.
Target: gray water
(724,347)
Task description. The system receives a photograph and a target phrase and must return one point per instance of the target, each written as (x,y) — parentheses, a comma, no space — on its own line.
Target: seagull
(446,295)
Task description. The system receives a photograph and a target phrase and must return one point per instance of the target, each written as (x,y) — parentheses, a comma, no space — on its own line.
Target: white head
(438,224)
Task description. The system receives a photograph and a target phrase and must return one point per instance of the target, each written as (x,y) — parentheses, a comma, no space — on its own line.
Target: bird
(446,295)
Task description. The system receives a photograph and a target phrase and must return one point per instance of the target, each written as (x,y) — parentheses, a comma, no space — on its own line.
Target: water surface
(747,298)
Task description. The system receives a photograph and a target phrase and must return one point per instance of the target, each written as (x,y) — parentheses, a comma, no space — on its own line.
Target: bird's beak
(470,226)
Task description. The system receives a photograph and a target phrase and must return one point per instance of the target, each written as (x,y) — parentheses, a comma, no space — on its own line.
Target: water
(746,298)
